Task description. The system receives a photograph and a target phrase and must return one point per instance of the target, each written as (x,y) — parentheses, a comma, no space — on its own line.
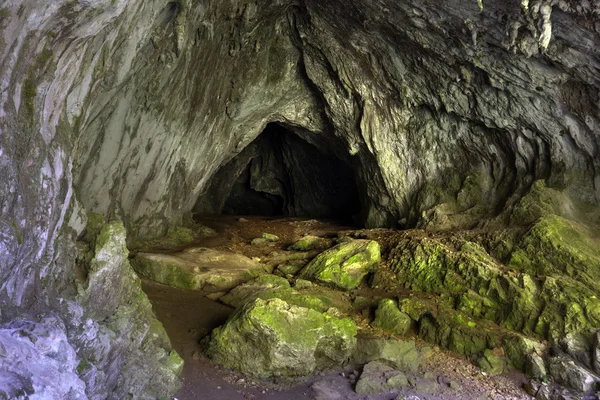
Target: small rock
(429,375)
(302,284)
(270,237)
(216,296)
(309,242)
(426,386)
(196,355)
(259,242)
(242,220)
(454,385)
(532,387)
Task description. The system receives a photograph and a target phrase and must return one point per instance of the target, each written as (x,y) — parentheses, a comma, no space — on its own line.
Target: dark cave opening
(281,174)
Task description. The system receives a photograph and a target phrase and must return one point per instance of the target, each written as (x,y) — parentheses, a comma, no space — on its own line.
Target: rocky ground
(483,369)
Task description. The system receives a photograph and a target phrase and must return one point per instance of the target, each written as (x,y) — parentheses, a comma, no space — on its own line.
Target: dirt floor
(190,316)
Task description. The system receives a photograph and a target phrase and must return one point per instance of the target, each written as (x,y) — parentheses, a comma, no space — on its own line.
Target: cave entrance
(281,174)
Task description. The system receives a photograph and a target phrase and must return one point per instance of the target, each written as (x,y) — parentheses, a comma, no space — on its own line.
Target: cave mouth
(281,174)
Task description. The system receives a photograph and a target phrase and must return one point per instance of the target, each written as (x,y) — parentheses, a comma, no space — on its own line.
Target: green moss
(262,339)
(167,273)
(539,202)
(175,363)
(388,317)
(491,363)
(95,222)
(28,95)
(345,265)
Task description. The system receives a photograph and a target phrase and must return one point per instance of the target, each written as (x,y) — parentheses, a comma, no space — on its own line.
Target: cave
(275,199)
(281,174)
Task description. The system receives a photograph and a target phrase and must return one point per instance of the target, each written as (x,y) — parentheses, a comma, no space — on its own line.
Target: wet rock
(345,265)
(402,355)
(310,242)
(261,339)
(197,269)
(568,373)
(388,317)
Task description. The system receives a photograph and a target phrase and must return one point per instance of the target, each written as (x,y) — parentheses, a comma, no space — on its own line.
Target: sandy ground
(190,316)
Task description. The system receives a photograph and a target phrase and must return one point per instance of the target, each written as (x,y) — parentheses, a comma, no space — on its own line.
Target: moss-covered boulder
(388,317)
(268,338)
(197,269)
(345,265)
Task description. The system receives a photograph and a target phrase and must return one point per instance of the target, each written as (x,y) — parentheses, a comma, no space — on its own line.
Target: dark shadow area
(281,174)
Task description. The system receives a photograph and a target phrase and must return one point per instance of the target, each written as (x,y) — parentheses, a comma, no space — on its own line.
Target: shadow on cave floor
(189,316)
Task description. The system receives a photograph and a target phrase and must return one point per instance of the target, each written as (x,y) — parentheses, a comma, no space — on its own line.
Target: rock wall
(448,112)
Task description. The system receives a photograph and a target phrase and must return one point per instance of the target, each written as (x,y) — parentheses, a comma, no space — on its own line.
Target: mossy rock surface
(197,269)
(345,265)
(401,355)
(272,286)
(310,242)
(541,281)
(388,317)
(268,338)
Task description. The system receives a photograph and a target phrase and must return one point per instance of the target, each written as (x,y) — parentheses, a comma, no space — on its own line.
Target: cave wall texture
(447,111)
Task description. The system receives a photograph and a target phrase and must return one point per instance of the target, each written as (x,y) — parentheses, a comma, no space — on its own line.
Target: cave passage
(281,174)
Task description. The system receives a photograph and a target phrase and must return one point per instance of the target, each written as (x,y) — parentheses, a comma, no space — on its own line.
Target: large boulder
(268,338)
(345,265)
(197,269)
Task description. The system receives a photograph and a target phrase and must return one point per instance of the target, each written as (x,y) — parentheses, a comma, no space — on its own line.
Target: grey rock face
(129,108)
(50,370)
